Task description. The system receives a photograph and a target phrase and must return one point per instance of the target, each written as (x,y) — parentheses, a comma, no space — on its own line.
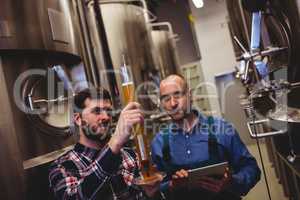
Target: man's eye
(165,98)
(177,94)
(109,111)
(97,110)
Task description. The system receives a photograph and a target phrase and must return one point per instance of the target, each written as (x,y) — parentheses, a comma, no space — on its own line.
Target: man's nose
(174,102)
(104,116)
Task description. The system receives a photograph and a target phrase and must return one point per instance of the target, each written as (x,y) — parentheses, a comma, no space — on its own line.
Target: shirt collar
(173,128)
(81,149)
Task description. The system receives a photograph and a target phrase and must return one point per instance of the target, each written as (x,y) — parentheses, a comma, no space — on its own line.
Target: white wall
(214,42)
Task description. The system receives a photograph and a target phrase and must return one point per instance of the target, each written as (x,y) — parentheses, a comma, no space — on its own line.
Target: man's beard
(92,134)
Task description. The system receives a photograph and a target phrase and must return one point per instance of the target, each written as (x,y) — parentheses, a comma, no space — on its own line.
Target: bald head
(175,79)
(175,97)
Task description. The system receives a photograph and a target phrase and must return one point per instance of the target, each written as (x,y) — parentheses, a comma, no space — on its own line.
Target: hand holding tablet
(218,169)
(204,177)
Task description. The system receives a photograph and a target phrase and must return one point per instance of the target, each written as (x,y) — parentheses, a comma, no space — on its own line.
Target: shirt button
(188,152)
(187,136)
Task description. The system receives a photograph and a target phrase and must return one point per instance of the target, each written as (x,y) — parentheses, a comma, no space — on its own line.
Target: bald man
(194,140)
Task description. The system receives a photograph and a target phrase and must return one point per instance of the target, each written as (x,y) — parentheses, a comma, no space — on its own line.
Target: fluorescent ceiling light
(198,3)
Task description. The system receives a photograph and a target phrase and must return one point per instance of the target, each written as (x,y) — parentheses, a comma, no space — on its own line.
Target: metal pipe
(173,38)
(86,42)
(63,76)
(261,135)
(244,22)
(240,44)
(168,24)
(295,85)
(144,5)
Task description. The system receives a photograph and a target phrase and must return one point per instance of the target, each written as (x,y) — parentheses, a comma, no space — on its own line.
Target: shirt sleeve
(86,183)
(246,172)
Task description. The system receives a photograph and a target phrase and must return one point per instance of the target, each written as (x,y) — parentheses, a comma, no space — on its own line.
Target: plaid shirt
(85,173)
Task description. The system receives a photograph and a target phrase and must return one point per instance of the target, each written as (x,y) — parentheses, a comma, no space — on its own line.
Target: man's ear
(77,119)
(190,93)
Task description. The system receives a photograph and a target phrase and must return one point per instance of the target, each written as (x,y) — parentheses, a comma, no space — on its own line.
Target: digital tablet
(211,170)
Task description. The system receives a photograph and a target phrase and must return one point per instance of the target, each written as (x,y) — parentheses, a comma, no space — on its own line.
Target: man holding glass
(99,166)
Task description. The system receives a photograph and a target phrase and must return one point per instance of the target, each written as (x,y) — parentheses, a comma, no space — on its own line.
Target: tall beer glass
(128,89)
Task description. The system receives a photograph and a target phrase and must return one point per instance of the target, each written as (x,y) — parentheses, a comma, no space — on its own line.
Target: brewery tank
(126,34)
(34,34)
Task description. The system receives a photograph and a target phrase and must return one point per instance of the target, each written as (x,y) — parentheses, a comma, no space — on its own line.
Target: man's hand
(213,184)
(129,116)
(179,179)
(152,188)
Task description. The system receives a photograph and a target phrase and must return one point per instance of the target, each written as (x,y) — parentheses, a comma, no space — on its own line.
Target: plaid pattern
(85,173)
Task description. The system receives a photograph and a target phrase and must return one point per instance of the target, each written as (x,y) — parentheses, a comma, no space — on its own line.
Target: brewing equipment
(164,42)
(127,33)
(270,104)
(266,101)
(41,43)
(270,50)
(35,36)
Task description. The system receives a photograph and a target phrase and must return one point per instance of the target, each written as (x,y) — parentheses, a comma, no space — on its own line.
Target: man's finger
(134,121)
(226,175)
(175,176)
(180,174)
(135,115)
(132,105)
(184,173)
(134,111)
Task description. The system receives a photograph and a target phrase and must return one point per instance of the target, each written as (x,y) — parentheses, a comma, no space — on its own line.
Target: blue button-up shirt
(186,150)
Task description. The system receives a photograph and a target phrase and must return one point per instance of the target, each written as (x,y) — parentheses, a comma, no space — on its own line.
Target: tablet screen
(211,170)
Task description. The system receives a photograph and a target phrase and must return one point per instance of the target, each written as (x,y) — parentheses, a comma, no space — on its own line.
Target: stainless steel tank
(43,27)
(127,33)
(34,34)
(165,51)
